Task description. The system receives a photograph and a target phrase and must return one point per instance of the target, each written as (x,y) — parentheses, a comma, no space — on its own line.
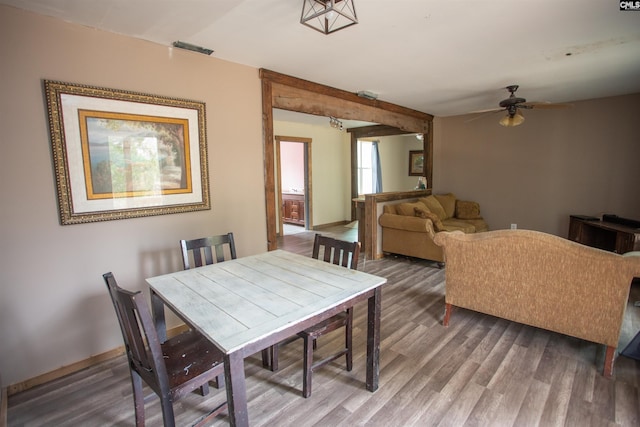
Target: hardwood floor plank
(495,358)
(462,406)
(444,400)
(535,350)
(628,370)
(451,359)
(604,397)
(512,380)
(392,378)
(488,342)
(486,410)
(626,404)
(533,404)
(556,407)
(332,418)
(400,407)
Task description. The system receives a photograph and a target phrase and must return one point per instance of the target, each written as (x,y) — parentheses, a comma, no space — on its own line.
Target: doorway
(280,91)
(294,189)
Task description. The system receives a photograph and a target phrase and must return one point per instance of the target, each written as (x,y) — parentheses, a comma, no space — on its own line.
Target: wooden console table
(293,208)
(607,235)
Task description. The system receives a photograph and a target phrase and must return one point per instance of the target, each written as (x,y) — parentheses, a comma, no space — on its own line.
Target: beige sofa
(408,228)
(540,280)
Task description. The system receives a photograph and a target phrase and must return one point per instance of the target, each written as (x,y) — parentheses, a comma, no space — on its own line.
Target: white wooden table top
(237,302)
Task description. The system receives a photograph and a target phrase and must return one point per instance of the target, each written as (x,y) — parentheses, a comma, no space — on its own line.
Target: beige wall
(394,156)
(330,169)
(54,309)
(582,160)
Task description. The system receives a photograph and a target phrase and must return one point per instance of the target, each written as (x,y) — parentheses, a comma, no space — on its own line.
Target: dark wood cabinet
(608,235)
(293,208)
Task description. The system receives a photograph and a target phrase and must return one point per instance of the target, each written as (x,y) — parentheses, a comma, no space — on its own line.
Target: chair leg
(270,358)
(138,398)
(274,357)
(167,411)
(307,370)
(349,338)
(266,358)
(204,389)
(220,381)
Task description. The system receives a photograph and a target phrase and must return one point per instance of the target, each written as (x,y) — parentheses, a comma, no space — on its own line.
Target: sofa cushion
(479,224)
(467,210)
(448,202)
(434,206)
(453,224)
(424,213)
(407,209)
(389,208)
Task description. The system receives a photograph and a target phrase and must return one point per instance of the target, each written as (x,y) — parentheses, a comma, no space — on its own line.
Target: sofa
(540,280)
(408,227)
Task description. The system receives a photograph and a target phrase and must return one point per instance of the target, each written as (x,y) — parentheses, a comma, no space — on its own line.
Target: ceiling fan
(513,104)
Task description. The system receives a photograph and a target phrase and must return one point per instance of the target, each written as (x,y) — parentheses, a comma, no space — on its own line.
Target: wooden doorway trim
(308,187)
(369,132)
(294,94)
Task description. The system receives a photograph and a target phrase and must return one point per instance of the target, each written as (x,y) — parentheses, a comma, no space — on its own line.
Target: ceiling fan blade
(488,110)
(483,113)
(544,105)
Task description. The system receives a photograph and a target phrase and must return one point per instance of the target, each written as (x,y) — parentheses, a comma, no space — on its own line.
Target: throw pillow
(448,202)
(467,210)
(407,209)
(423,213)
(434,206)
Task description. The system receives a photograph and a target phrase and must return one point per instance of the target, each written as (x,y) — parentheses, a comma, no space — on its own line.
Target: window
(369,174)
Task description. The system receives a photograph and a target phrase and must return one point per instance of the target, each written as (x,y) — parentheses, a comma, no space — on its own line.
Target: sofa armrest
(407,223)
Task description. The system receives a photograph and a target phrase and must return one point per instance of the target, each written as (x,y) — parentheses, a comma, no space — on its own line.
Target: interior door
(296,162)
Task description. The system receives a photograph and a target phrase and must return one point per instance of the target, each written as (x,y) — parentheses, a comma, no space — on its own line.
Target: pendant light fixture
(513,118)
(328,16)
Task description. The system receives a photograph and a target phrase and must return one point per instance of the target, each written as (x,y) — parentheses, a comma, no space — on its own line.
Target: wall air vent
(192,47)
(367,94)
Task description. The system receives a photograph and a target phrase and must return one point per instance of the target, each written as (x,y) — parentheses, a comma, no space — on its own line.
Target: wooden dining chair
(202,250)
(337,252)
(171,369)
(199,252)
(196,253)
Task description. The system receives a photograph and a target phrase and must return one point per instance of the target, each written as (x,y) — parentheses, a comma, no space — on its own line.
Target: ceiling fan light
(512,120)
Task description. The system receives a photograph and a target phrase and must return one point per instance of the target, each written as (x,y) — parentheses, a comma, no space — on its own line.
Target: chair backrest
(139,334)
(202,250)
(336,251)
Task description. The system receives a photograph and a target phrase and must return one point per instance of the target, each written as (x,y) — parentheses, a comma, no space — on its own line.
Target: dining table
(248,304)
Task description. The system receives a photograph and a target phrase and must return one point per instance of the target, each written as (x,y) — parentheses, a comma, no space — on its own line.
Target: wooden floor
(480,371)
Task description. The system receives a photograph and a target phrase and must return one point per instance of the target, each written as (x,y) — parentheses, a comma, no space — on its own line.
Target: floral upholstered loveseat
(408,227)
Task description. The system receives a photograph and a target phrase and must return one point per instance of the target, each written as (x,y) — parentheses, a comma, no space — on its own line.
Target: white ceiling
(442,57)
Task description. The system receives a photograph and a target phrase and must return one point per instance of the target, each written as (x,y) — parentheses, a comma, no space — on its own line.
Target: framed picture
(416,163)
(120,154)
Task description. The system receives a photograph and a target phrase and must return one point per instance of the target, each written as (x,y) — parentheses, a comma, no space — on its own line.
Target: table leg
(373,339)
(236,389)
(157,310)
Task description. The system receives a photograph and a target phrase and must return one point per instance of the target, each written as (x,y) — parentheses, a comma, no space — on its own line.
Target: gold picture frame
(119,154)
(416,163)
